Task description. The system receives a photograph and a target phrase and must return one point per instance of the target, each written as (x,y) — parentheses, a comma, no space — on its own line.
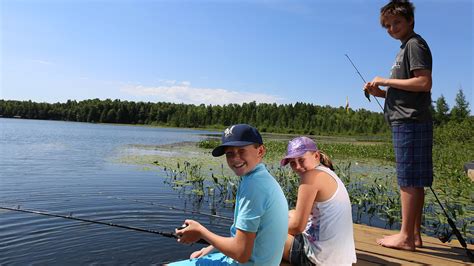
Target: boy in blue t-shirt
(260,225)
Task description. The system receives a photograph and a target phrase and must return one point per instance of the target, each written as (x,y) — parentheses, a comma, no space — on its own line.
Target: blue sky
(220,52)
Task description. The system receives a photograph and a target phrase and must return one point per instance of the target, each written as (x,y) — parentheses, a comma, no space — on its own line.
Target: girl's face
(304,163)
(242,160)
(398,27)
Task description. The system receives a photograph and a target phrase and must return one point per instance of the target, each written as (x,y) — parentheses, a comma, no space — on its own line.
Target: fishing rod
(165,234)
(454,230)
(367,95)
(450,222)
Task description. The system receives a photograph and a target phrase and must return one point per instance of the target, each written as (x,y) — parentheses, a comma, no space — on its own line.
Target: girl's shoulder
(316,176)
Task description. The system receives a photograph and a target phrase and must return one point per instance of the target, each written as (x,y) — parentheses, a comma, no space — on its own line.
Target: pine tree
(461,109)
(441,115)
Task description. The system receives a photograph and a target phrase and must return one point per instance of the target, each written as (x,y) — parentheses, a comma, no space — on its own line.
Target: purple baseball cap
(297,147)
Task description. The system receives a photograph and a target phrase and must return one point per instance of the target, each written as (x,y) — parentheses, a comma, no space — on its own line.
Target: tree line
(299,118)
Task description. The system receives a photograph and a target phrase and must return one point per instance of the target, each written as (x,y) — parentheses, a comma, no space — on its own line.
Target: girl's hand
(191,233)
(202,252)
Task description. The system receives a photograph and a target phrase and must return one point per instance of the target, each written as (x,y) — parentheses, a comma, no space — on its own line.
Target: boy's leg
(418,240)
(412,199)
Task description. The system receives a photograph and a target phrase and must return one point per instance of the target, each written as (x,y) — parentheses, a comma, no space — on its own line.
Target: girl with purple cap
(320,227)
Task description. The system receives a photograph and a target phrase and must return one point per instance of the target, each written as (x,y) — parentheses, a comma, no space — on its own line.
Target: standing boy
(407,109)
(260,225)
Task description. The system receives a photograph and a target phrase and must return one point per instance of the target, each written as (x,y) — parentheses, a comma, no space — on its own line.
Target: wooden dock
(433,252)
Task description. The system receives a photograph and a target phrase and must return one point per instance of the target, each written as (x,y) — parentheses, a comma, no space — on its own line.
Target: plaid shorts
(413,144)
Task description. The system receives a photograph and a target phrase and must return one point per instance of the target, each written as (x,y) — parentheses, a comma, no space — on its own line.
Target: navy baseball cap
(238,136)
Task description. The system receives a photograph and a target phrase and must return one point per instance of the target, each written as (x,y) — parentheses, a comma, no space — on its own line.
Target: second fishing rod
(128,227)
(451,223)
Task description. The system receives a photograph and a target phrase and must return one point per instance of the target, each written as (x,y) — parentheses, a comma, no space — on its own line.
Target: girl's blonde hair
(325,160)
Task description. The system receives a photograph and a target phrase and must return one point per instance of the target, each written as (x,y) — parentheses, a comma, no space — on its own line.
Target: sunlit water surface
(73,169)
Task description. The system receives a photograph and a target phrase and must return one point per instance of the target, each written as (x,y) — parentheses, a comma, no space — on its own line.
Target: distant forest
(299,118)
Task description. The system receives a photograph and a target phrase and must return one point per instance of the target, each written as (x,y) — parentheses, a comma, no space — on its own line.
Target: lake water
(72,168)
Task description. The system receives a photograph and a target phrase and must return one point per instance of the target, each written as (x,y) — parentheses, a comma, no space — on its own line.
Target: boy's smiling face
(242,160)
(398,26)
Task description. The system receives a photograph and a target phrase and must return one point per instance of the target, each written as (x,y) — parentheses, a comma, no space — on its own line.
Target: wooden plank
(434,252)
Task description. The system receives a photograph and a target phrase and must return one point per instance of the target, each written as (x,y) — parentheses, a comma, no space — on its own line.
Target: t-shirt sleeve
(252,208)
(419,55)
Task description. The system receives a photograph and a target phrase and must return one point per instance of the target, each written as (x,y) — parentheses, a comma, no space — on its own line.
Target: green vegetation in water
(366,168)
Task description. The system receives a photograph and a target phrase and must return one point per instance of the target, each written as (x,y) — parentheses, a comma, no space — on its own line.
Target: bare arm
(239,247)
(202,252)
(307,192)
(421,82)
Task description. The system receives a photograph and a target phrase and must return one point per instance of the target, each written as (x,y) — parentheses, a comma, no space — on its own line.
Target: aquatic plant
(367,169)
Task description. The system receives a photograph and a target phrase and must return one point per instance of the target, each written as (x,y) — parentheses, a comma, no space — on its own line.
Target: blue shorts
(297,254)
(413,145)
(212,259)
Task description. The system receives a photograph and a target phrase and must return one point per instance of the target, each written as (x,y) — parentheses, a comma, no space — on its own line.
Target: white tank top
(329,237)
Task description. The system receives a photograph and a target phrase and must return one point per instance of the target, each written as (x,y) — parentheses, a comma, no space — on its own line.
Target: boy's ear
(412,22)
(261,151)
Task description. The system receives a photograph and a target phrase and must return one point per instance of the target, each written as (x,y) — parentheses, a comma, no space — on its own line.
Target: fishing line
(450,222)
(70,217)
(170,207)
(174,208)
(367,95)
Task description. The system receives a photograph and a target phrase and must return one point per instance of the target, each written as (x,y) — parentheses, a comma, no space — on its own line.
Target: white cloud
(183,92)
(43,62)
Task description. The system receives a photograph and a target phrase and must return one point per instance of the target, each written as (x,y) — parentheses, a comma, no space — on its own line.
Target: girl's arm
(202,252)
(307,192)
(238,247)
(421,82)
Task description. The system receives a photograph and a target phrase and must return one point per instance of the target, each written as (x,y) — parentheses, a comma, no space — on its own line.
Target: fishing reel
(182,227)
(200,241)
(445,237)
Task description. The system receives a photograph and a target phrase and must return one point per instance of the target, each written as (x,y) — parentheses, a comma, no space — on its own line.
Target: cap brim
(219,150)
(284,161)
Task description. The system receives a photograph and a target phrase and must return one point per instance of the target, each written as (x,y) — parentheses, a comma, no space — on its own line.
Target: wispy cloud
(43,62)
(183,92)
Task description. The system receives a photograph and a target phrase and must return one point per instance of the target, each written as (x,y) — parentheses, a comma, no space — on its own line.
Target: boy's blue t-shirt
(260,207)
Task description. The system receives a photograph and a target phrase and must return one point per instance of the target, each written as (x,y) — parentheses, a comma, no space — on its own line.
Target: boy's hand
(378,81)
(373,88)
(191,233)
